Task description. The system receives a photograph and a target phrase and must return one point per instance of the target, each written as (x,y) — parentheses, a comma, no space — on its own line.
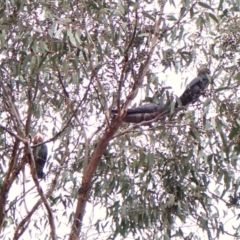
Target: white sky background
(93,213)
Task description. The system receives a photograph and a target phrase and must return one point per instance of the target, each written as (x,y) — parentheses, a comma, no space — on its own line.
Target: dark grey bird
(149,111)
(142,113)
(40,155)
(196,87)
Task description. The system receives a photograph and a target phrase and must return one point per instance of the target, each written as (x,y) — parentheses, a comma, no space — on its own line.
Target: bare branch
(126,56)
(12,133)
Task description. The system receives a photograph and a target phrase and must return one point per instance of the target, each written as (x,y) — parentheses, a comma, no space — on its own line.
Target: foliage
(64,66)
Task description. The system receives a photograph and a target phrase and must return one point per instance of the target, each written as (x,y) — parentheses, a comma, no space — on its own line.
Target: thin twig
(126,62)
(13,134)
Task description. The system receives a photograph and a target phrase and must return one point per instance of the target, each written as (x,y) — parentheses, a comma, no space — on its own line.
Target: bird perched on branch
(196,87)
(40,155)
(150,111)
(142,113)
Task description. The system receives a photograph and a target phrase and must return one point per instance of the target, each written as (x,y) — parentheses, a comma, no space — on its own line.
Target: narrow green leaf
(237,76)
(202,4)
(235,130)
(192,12)
(186,3)
(149,16)
(71,38)
(171,18)
(172,3)
(181,32)
(213,17)
(182,10)
(238,4)
(220,6)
